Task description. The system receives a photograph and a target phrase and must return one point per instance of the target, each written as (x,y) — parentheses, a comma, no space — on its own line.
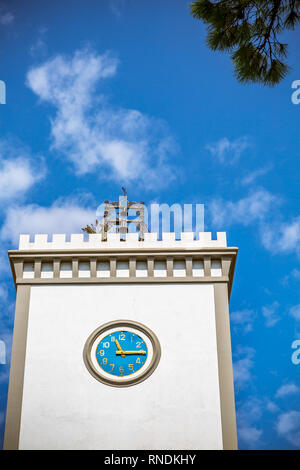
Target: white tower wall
(63,295)
(64,407)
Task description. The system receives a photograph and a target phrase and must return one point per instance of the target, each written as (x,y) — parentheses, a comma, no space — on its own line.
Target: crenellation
(222,238)
(150,238)
(187,237)
(94,240)
(204,237)
(59,240)
(77,240)
(24,242)
(41,240)
(132,239)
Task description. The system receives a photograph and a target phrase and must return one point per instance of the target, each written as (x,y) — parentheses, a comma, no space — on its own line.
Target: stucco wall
(178,407)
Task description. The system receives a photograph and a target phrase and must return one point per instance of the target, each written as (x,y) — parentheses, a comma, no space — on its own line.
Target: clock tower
(122,341)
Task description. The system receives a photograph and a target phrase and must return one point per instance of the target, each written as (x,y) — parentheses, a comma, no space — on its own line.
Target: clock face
(122,353)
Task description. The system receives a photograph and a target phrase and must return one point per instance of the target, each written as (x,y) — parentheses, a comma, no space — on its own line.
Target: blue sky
(108,93)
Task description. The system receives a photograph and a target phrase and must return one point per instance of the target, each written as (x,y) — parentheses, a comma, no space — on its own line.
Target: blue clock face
(121,353)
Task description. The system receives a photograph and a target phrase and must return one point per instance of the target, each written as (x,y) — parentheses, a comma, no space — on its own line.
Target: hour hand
(120,350)
(138,351)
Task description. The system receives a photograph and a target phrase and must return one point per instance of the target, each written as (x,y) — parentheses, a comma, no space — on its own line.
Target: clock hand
(138,351)
(119,348)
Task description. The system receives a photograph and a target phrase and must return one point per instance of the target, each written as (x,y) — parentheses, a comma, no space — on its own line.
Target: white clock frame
(153,357)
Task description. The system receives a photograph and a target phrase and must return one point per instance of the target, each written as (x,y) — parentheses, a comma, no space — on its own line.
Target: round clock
(121,353)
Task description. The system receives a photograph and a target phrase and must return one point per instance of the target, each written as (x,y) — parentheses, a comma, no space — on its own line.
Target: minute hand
(138,351)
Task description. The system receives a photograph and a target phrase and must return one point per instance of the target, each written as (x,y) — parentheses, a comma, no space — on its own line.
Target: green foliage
(249,31)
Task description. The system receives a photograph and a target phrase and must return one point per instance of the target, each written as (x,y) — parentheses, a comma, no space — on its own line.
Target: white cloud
(3,293)
(229,152)
(284,238)
(4,264)
(17,171)
(250,435)
(16,177)
(251,177)
(287,389)
(116,7)
(272,407)
(243,320)
(39,46)
(123,144)
(270,314)
(245,211)
(248,414)
(6,18)
(242,365)
(295,312)
(259,207)
(288,426)
(295,273)
(62,217)
(289,238)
